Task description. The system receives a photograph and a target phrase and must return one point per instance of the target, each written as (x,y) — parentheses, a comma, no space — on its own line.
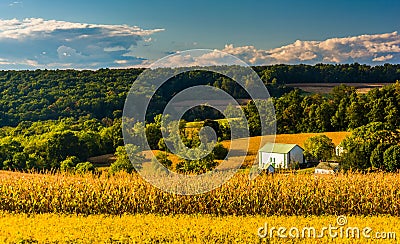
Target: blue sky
(47,34)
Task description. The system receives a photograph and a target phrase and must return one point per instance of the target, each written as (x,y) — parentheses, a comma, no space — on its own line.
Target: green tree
(253,118)
(360,145)
(323,116)
(163,159)
(355,158)
(215,126)
(162,146)
(127,156)
(355,114)
(391,158)
(111,137)
(68,165)
(288,111)
(197,166)
(60,145)
(153,135)
(219,151)
(91,144)
(17,162)
(341,101)
(318,148)
(376,158)
(11,154)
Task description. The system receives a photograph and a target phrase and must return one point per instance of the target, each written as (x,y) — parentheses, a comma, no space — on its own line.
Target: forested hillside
(51,94)
(328,73)
(79,112)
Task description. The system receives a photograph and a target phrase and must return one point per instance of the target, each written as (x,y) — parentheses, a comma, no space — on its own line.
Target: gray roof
(327,166)
(277,147)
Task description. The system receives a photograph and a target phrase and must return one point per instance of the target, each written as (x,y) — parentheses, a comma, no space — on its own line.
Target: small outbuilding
(280,155)
(269,169)
(339,150)
(326,168)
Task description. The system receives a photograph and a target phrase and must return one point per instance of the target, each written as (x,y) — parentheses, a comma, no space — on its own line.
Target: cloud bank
(38,43)
(369,49)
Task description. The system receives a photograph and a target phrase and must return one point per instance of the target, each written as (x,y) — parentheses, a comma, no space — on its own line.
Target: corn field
(149,228)
(279,195)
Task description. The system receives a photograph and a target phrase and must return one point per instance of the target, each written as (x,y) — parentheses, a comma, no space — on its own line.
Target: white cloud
(370,49)
(198,57)
(4,62)
(114,49)
(53,43)
(37,43)
(40,28)
(383,58)
(15,3)
(120,61)
(363,48)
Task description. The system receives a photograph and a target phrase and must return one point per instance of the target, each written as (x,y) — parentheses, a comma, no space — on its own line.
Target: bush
(82,168)
(197,166)
(123,162)
(69,164)
(162,145)
(220,152)
(163,159)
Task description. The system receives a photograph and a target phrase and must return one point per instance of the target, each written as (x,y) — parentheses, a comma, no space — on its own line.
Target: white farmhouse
(279,155)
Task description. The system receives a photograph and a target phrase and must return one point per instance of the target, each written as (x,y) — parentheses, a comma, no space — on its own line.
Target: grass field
(53,228)
(198,124)
(324,88)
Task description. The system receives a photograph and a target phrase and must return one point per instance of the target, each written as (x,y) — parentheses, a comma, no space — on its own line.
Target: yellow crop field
(64,208)
(280,194)
(150,228)
(299,139)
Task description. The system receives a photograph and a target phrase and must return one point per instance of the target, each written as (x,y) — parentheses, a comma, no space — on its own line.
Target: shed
(269,168)
(326,168)
(280,155)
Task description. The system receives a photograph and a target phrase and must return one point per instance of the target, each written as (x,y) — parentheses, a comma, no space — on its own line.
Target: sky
(39,34)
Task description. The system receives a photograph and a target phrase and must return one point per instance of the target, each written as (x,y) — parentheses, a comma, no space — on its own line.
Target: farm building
(269,168)
(339,150)
(326,168)
(280,155)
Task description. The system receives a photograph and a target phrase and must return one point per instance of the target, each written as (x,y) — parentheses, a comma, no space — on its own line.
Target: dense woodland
(51,94)
(56,119)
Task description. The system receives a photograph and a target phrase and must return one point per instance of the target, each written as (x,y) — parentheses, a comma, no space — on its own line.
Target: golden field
(63,208)
(150,228)
(279,194)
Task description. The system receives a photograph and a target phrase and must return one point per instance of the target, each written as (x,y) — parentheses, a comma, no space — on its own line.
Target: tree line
(64,144)
(343,109)
(52,94)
